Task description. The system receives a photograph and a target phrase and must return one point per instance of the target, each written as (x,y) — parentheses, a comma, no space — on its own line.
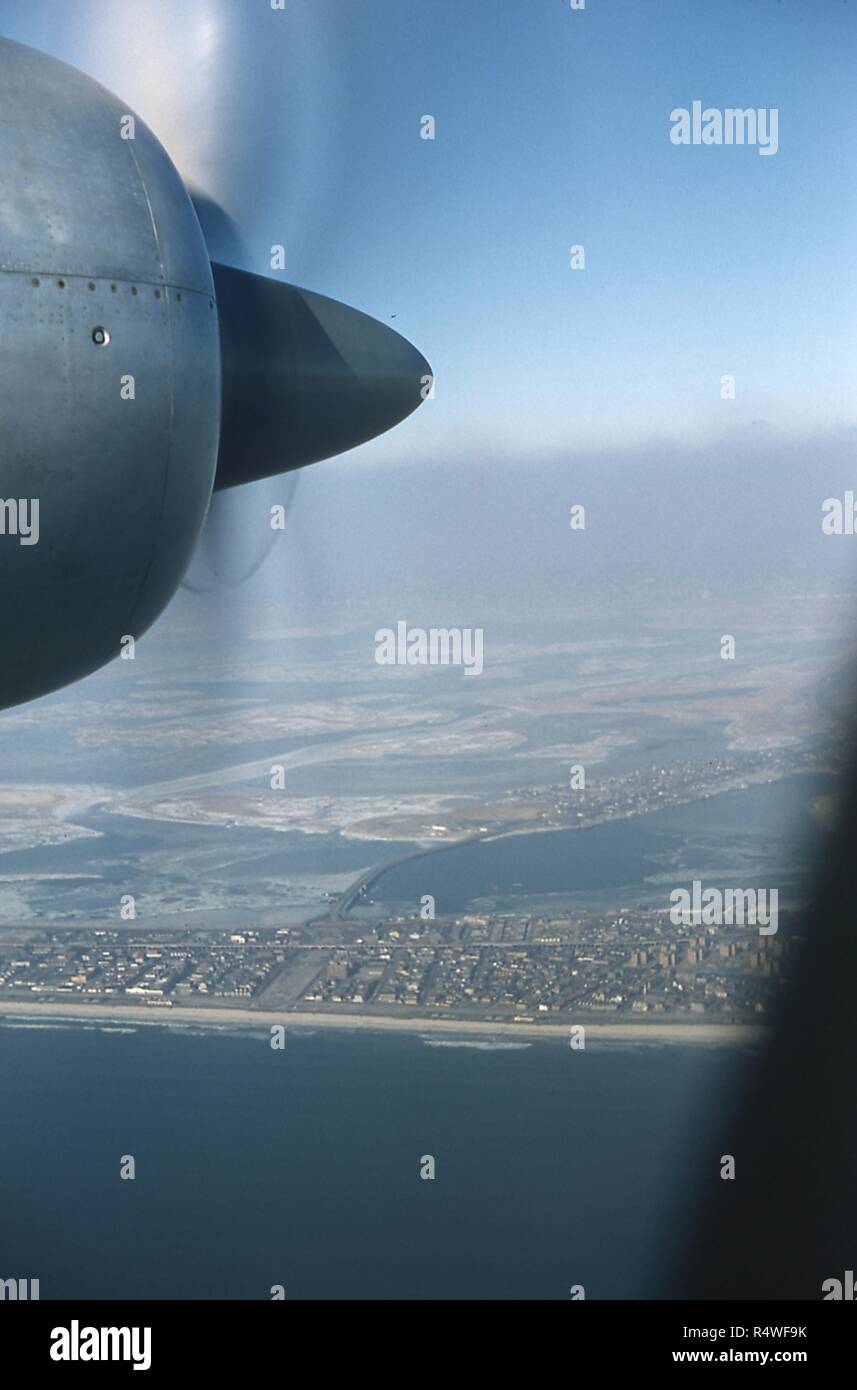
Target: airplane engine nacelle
(109,375)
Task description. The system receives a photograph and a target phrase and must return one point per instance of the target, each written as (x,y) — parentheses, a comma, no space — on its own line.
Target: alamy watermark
(839,515)
(709,907)
(839,1290)
(435,646)
(20,517)
(734,125)
(19,1290)
(76,1343)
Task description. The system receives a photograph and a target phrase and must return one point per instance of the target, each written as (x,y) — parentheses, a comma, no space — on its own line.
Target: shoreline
(425,848)
(677,1033)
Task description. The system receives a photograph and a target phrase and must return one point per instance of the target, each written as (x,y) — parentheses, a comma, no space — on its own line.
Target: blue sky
(552,129)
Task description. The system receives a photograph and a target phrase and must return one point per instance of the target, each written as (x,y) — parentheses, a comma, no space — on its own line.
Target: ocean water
(301,1167)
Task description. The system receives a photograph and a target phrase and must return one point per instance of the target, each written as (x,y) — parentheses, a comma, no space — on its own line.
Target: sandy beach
(214,1017)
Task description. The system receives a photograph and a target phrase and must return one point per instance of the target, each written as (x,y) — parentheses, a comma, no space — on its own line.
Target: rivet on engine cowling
(100,337)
